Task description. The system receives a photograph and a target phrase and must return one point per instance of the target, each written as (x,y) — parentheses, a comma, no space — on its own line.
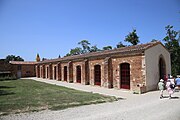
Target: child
(161,86)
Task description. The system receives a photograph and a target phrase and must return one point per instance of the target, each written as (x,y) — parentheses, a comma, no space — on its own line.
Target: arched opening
(65,73)
(47,72)
(78,74)
(55,72)
(97,75)
(125,76)
(162,68)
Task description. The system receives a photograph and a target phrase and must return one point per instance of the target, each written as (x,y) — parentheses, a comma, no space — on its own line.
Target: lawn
(23,95)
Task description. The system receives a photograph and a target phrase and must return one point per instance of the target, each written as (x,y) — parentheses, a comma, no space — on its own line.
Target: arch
(162,68)
(78,74)
(125,75)
(97,75)
(65,73)
(55,72)
(47,72)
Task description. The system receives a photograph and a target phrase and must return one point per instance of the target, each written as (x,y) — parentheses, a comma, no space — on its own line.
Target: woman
(170,90)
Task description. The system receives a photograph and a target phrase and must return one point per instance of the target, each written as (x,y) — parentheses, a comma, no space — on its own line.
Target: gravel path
(147,106)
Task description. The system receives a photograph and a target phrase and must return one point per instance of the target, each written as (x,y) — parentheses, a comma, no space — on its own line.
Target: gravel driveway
(146,106)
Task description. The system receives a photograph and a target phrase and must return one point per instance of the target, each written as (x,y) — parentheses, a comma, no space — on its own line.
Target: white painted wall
(152,56)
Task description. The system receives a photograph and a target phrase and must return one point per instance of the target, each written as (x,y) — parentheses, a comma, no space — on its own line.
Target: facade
(23,68)
(136,68)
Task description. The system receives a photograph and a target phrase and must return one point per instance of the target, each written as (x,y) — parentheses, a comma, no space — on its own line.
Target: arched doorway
(55,72)
(125,75)
(78,74)
(65,73)
(162,68)
(47,72)
(97,75)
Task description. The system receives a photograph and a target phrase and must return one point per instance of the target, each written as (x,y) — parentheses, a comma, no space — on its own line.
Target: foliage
(132,37)
(13,58)
(94,49)
(85,45)
(38,58)
(75,51)
(28,95)
(120,44)
(107,48)
(172,43)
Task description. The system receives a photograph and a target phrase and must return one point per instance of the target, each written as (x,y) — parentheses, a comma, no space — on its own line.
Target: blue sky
(53,27)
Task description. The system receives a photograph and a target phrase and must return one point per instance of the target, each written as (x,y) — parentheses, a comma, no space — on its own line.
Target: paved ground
(133,107)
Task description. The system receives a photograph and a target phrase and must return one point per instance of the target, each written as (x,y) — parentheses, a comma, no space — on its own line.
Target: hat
(161,80)
(171,76)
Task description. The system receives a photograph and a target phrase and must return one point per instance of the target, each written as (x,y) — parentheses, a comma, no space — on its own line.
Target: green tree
(107,48)
(94,49)
(120,44)
(13,58)
(75,51)
(132,37)
(38,58)
(85,45)
(172,43)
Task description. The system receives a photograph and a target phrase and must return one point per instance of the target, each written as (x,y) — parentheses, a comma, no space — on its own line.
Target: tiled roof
(136,49)
(22,62)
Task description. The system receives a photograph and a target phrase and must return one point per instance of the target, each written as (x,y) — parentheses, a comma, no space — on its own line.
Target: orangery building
(135,68)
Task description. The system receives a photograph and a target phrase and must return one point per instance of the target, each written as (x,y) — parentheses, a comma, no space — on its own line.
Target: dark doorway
(65,73)
(55,72)
(125,76)
(47,72)
(162,69)
(78,74)
(97,75)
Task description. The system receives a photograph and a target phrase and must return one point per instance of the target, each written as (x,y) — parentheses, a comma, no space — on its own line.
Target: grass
(18,96)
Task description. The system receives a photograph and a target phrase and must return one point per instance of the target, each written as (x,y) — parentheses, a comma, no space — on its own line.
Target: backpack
(172,86)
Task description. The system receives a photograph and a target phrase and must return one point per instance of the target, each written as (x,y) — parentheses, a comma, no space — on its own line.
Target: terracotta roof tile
(22,62)
(124,50)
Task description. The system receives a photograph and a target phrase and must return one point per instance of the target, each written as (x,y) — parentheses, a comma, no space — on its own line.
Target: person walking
(177,80)
(161,86)
(169,86)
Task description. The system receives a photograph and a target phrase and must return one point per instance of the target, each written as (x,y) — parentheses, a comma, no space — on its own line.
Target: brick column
(85,72)
(37,71)
(108,81)
(70,72)
(58,71)
(50,71)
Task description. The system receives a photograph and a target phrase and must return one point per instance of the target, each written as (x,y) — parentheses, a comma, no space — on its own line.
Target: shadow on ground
(5,92)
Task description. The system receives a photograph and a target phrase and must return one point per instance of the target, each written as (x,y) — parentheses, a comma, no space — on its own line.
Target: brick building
(22,68)
(136,68)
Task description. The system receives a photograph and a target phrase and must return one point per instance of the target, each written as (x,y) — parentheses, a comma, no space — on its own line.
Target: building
(137,68)
(23,68)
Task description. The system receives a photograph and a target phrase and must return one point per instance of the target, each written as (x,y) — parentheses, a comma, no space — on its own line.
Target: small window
(19,67)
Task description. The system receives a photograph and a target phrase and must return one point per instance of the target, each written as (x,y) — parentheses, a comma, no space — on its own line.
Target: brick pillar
(37,71)
(50,71)
(70,72)
(58,71)
(85,72)
(108,81)
(43,71)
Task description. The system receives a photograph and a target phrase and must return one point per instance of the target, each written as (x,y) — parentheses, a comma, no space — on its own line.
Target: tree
(94,49)
(75,51)
(119,45)
(13,58)
(85,45)
(59,56)
(132,37)
(107,48)
(172,44)
(38,58)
